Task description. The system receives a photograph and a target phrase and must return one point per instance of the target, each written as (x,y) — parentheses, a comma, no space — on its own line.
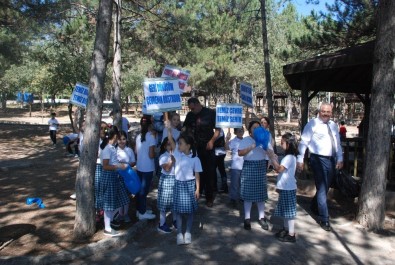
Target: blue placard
(80,95)
(161,95)
(246,94)
(229,116)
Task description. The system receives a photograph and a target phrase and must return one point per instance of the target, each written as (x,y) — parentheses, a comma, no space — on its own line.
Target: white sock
(261,209)
(162,218)
(291,225)
(108,215)
(247,210)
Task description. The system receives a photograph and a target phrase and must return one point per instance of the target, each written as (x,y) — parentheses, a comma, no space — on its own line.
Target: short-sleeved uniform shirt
(286,179)
(125,155)
(164,159)
(186,166)
(144,162)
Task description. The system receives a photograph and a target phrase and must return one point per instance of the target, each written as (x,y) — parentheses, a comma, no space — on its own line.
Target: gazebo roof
(348,71)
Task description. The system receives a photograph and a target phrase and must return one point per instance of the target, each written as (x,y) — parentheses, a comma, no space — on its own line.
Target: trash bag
(347,185)
(132,181)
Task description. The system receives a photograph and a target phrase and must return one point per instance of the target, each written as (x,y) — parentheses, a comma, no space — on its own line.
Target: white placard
(182,75)
(161,94)
(229,115)
(246,94)
(80,95)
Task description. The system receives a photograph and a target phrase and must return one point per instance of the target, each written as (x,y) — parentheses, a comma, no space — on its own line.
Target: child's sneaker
(281,233)
(164,229)
(288,238)
(112,233)
(180,239)
(188,238)
(175,224)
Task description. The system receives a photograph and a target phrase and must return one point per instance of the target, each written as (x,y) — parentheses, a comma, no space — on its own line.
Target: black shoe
(325,225)
(115,224)
(281,233)
(263,223)
(287,238)
(247,224)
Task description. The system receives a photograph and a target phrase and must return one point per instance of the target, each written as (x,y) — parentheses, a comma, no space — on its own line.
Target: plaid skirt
(253,182)
(184,197)
(165,192)
(286,206)
(98,172)
(111,195)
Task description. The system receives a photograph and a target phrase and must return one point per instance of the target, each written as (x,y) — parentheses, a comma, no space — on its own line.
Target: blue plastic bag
(132,181)
(38,201)
(261,137)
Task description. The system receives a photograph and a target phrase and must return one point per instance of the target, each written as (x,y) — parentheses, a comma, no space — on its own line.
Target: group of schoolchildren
(179,182)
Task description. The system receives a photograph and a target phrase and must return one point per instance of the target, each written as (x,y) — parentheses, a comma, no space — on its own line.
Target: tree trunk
(371,210)
(85,225)
(268,78)
(117,64)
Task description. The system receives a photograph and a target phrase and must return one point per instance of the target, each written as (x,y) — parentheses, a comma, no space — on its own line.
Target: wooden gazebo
(347,71)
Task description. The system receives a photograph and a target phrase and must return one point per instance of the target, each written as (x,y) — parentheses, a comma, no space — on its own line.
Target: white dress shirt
(315,137)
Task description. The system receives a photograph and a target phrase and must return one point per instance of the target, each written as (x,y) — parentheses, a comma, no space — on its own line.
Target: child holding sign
(187,183)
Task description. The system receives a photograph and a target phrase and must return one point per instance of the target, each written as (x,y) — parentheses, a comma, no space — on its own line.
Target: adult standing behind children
(53,127)
(124,122)
(321,137)
(145,152)
(200,122)
(253,177)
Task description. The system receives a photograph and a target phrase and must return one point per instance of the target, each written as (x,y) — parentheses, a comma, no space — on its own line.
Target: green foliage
(346,23)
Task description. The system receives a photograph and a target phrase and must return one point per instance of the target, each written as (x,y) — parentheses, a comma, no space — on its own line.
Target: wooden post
(304,106)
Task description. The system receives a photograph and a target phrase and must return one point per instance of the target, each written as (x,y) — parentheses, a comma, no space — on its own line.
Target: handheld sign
(229,116)
(161,94)
(80,95)
(246,94)
(180,74)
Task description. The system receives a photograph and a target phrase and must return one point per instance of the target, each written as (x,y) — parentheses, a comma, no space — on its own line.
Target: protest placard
(229,115)
(161,94)
(180,74)
(246,94)
(80,95)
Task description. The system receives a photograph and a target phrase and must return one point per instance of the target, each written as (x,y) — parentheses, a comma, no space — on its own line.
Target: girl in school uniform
(126,156)
(286,185)
(175,123)
(187,182)
(253,187)
(166,185)
(145,152)
(113,195)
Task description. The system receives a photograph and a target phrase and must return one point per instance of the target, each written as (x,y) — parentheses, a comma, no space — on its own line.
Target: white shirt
(109,152)
(53,124)
(286,179)
(144,162)
(186,166)
(316,138)
(72,136)
(237,161)
(255,154)
(174,132)
(164,159)
(125,155)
